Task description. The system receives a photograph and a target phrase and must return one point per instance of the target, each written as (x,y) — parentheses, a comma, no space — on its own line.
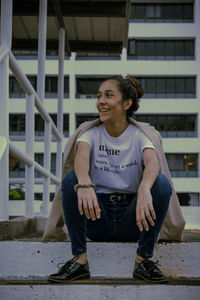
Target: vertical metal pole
(40,91)
(42,48)
(72,84)
(60,99)
(29,174)
(47,160)
(6,40)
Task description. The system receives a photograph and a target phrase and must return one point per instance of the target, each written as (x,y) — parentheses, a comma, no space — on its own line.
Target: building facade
(163,52)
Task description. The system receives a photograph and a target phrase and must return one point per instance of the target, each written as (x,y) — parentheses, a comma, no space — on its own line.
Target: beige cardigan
(173,225)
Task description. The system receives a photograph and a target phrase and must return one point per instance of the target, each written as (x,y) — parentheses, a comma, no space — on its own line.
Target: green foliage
(16,194)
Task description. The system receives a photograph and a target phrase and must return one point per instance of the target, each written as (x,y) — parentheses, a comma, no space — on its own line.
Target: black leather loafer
(70,271)
(148,271)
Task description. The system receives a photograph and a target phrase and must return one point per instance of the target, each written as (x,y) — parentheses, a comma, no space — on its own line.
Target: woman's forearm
(151,169)
(81,168)
(149,175)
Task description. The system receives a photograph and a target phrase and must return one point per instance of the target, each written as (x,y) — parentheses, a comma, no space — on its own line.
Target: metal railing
(33,100)
(3,145)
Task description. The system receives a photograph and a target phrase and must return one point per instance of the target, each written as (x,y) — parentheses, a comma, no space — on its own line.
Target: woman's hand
(88,204)
(144,209)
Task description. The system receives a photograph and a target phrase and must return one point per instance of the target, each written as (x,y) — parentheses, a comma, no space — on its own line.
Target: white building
(163,52)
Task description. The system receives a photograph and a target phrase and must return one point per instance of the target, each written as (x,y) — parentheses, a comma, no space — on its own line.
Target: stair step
(99,292)
(36,260)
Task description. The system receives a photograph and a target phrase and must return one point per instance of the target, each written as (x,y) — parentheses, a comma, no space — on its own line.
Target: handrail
(26,159)
(28,89)
(3,52)
(3,146)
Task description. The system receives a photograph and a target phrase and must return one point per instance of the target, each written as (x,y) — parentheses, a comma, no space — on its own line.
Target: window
(39,124)
(83,118)
(97,56)
(17,124)
(15,90)
(16,168)
(171,126)
(51,82)
(176,49)
(39,157)
(87,87)
(183,165)
(162,12)
(38,196)
(51,85)
(168,87)
(189,199)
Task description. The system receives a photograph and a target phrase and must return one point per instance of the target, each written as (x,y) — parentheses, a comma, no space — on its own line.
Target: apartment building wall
(181,145)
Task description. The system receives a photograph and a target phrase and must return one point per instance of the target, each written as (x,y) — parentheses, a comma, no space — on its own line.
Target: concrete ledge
(21,226)
(35,261)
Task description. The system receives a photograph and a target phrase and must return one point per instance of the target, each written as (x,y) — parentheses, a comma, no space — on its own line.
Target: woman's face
(109,104)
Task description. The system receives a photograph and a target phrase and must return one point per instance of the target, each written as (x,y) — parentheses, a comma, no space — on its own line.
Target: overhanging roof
(91,26)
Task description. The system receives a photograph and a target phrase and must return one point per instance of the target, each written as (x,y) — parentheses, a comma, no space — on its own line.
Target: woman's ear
(128,103)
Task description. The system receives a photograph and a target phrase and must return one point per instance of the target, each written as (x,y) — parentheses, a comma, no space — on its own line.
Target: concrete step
(99,292)
(34,261)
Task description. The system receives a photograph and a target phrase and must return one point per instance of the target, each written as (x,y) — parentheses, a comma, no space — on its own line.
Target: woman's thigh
(127,229)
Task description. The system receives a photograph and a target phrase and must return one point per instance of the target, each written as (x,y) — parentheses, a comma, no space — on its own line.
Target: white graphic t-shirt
(116,162)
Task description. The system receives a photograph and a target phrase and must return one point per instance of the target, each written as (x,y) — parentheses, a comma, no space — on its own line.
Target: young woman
(115,192)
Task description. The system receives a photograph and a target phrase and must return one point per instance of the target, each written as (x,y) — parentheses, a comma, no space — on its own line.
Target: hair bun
(137,85)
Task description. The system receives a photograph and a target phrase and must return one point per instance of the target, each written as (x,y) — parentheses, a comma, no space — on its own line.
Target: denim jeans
(117,221)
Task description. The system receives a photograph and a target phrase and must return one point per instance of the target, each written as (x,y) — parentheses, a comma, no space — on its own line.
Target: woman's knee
(162,187)
(69,180)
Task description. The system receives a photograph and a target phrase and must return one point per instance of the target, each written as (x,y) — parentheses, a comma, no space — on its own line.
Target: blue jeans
(117,221)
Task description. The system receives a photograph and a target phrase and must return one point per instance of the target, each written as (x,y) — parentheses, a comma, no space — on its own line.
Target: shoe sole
(84,276)
(140,277)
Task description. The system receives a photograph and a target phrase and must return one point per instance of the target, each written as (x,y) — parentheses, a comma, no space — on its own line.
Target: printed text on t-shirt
(109,151)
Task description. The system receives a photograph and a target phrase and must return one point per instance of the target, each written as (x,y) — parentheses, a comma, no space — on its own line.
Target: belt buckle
(115,198)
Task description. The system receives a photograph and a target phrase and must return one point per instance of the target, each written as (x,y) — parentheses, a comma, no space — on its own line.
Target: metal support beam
(61,23)
(47,163)
(29,174)
(42,49)
(6,38)
(60,99)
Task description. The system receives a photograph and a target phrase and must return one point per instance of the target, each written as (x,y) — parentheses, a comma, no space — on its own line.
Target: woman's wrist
(84,185)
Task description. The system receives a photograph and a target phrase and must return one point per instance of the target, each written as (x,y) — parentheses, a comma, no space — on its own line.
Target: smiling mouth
(102,110)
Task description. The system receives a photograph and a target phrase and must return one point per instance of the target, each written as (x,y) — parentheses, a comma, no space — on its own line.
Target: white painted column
(41,92)
(29,174)
(60,99)
(47,164)
(72,89)
(6,39)
(42,32)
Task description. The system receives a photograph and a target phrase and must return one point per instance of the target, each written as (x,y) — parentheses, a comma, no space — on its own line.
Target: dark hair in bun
(129,88)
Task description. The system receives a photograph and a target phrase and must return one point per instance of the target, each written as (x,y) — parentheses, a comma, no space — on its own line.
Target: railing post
(60,99)
(42,48)
(29,174)
(6,38)
(47,157)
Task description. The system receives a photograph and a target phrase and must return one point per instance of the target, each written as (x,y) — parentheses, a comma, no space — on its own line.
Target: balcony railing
(34,100)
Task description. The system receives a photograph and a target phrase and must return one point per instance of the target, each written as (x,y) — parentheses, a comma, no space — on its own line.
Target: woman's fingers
(145,212)
(88,204)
